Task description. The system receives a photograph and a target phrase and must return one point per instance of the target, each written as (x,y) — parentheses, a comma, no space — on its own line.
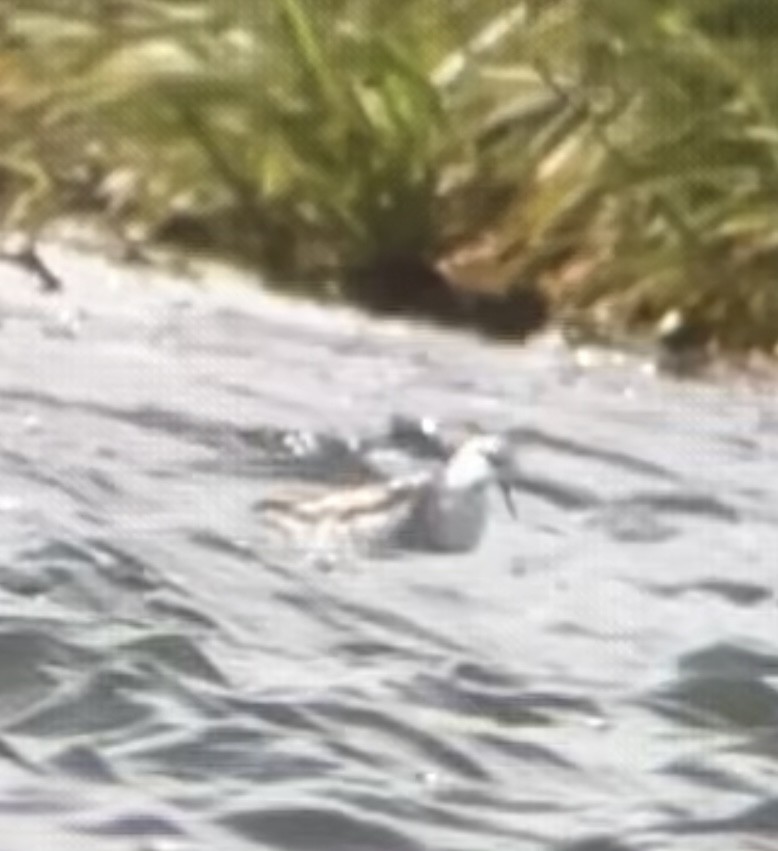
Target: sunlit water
(600,675)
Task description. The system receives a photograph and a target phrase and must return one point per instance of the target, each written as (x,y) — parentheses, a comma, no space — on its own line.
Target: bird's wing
(311,502)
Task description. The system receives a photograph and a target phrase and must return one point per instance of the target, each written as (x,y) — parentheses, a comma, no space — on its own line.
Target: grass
(473,161)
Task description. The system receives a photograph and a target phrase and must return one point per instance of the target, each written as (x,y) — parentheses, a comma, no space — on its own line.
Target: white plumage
(441,510)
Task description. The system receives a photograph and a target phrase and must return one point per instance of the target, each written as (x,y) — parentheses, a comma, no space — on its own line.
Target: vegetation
(472,160)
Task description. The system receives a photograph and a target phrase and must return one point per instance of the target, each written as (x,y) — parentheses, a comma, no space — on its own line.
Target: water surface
(601,675)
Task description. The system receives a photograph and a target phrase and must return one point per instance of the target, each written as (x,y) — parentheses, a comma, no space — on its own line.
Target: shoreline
(168,269)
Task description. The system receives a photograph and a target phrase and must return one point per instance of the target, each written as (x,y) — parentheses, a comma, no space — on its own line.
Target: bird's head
(481,459)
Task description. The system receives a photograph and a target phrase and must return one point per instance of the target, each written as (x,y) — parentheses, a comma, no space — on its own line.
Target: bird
(684,343)
(442,510)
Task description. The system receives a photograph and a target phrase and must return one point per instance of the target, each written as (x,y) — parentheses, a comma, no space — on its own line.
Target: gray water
(600,675)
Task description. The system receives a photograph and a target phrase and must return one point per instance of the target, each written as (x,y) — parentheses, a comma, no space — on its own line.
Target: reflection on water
(601,675)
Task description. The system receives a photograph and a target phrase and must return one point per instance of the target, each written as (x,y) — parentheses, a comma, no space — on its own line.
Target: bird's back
(366,517)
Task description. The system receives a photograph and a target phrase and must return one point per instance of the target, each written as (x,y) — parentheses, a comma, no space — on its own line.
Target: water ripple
(601,675)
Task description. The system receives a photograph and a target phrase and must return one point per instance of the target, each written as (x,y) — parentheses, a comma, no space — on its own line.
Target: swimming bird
(441,510)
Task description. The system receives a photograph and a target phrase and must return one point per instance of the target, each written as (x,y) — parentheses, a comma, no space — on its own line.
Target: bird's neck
(467,470)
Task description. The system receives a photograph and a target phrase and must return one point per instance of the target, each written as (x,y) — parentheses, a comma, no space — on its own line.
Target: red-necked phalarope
(442,510)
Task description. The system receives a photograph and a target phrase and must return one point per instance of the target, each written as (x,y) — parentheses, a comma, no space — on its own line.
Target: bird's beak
(507,491)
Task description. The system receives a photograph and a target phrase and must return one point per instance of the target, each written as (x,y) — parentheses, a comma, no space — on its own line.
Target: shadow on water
(598,676)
